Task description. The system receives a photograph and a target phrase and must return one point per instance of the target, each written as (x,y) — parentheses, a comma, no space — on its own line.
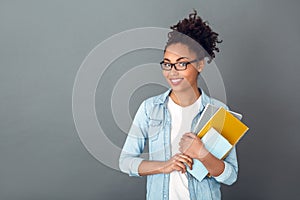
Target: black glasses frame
(174,65)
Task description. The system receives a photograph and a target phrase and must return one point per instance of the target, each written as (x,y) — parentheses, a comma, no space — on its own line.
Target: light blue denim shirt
(152,122)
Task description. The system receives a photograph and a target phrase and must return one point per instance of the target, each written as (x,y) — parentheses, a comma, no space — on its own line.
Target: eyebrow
(177,59)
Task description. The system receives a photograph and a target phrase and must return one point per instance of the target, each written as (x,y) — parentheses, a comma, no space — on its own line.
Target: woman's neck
(185,98)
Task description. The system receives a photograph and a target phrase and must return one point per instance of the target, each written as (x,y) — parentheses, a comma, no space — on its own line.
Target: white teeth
(176,80)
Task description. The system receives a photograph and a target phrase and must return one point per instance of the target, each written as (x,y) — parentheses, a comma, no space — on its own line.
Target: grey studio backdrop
(43,44)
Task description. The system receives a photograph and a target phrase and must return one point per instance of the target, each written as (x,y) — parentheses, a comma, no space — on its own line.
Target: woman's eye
(167,64)
(182,64)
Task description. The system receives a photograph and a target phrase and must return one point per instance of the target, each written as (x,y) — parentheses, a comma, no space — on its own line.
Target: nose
(173,71)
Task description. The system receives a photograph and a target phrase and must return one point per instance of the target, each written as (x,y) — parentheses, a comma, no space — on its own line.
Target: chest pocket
(156,140)
(155,129)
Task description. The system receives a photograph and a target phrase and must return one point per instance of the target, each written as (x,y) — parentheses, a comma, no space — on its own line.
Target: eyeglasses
(179,66)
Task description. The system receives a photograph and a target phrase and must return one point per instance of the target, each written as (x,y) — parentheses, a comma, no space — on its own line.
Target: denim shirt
(152,122)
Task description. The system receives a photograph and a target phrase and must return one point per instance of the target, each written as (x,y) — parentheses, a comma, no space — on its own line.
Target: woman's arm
(130,159)
(225,171)
(176,163)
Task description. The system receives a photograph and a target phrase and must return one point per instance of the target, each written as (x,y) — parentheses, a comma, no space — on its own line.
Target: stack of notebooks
(219,131)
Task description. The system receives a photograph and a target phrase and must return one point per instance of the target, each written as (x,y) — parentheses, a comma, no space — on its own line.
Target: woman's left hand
(192,146)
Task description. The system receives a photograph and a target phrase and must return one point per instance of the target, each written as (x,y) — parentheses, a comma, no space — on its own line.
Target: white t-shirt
(182,118)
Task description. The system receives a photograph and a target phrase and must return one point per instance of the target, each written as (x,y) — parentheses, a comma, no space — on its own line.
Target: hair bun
(197,29)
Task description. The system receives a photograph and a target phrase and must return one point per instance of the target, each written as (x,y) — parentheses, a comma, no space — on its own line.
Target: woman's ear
(200,65)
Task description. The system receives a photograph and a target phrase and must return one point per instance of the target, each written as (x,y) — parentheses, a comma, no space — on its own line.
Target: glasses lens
(181,66)
(165,66)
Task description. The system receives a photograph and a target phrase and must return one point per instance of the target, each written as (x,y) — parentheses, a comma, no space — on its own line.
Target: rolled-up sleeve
(130,165)
(130,159)
(229,175)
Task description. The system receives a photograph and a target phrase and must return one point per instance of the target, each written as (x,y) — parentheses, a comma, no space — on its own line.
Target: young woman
(166,122)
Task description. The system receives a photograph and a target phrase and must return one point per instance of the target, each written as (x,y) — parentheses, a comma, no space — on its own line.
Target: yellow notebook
(227,125)
(227,130)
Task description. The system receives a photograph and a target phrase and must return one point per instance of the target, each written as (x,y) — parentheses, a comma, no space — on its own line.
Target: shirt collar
(162,99)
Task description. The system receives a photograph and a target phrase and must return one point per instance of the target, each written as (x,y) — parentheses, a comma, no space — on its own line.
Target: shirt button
(165,196)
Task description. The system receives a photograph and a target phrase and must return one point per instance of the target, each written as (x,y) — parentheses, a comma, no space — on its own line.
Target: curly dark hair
(195,29)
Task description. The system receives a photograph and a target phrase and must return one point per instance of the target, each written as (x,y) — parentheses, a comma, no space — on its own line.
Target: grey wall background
(43,43)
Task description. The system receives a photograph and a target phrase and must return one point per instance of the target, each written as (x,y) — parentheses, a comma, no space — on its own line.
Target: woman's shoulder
(157,99)
(219,103)
(154,104)
(210,100)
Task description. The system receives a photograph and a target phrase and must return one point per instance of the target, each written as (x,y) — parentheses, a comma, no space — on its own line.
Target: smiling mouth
(176,81)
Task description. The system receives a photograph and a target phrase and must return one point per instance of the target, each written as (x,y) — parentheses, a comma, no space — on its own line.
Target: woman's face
(181,81)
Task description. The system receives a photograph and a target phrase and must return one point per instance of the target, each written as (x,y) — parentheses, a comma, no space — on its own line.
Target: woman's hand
(192,146)
(177,163)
